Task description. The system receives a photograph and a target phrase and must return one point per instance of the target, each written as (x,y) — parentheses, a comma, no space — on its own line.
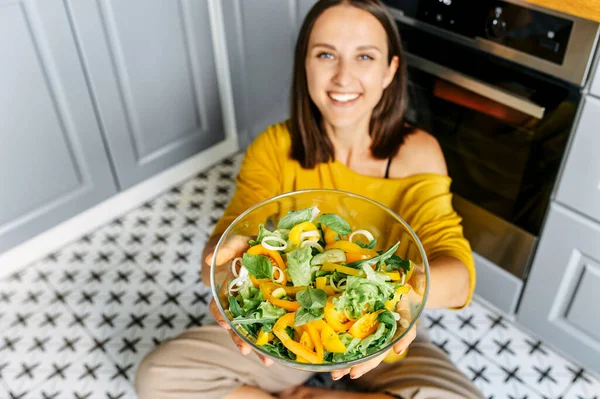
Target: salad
(314,291)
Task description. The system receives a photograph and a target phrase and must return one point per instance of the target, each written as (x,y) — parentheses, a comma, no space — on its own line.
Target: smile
(343,98)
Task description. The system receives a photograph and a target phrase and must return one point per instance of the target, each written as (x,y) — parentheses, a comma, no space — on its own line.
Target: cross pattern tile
(77,323)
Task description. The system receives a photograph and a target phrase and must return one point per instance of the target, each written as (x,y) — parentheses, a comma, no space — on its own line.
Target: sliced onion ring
(315,212)
(308,234)
(234,269)
(235,284)
(364,233)
(313,244)
(268,246)
(279,279)
(336,288)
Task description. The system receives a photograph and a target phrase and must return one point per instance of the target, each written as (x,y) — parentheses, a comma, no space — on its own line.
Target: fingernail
(355,376)
(337,377)
(399,352)
(222,324)
(241,348)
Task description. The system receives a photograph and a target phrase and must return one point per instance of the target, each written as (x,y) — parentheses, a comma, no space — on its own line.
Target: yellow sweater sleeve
(259,177)
(428,210)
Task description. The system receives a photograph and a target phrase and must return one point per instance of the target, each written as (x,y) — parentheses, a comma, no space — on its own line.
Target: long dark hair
(310,143)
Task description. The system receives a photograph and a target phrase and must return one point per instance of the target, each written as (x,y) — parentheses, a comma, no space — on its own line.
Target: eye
(365,57)
(325,55)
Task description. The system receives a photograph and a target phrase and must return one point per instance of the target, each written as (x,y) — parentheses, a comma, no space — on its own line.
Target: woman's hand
(229,250)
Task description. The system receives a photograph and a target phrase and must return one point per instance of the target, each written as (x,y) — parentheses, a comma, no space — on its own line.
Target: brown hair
(310,143)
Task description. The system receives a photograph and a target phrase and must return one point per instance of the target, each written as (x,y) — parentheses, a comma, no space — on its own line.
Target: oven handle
(476,86)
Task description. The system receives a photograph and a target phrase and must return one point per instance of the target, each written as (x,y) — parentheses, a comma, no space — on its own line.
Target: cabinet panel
(579,185)
(561,301)
(152,73)
(497,286)
(53,162)
(261,37)
(586,295)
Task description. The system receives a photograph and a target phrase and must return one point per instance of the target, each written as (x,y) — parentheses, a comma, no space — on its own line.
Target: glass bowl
(361,213)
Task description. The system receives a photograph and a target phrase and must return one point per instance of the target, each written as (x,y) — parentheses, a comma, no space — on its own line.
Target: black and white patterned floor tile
(76,324)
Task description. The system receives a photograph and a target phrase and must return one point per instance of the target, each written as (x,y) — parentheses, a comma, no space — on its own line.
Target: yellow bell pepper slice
(266,289)
(365,326)
(331,340)
(391,304)
(264,337)
(273,256)
(318,325)
(306,341)
(393,275)
(298,229)
(337,320)
(322,285)
(330,235)
(315,337)
(330,267)
(287,320)
(353,250)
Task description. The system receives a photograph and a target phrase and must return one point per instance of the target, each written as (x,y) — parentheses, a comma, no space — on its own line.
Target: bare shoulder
(420,154)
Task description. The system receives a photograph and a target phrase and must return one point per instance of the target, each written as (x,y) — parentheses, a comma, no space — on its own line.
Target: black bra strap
(387,169)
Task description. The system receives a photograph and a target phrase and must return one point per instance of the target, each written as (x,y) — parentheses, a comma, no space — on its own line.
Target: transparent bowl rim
(329,366)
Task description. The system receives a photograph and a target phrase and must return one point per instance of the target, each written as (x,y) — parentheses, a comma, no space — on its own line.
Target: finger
(265,360)
(214,310)
(363,368)
(233,247)
(243,347)
(418,282)
(337,374)
(405,341)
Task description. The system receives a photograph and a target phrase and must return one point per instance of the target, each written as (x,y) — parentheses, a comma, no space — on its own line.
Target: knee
(148,380)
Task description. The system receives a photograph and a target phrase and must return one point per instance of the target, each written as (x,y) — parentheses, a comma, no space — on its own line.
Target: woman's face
(346,65)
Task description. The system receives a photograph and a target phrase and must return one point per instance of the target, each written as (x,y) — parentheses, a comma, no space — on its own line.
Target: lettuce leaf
(363,294)
(298,266)
(271,311)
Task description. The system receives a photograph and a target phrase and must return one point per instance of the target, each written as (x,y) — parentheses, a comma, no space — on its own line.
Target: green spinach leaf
(312,298)
(304,316)
(258,266)
(335,223)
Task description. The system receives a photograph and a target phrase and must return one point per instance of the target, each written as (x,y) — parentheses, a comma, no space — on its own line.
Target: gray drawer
(579,186)
(561,300)
(497,286)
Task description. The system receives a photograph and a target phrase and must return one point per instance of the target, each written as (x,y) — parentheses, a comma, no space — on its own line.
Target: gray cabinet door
(153,76)
(53,162)
(261,36)
(579,185)
(561,301)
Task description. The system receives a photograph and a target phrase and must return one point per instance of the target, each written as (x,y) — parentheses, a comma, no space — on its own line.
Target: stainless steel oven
(498,83)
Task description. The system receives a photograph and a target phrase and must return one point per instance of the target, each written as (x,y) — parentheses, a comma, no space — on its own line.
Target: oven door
(503,129)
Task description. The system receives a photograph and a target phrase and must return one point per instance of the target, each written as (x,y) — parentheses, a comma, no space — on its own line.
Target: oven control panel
(533,32)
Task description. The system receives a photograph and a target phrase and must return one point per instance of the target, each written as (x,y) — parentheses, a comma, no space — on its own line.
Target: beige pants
(204,363)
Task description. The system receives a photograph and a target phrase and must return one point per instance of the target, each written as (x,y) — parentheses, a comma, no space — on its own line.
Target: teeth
(343,97)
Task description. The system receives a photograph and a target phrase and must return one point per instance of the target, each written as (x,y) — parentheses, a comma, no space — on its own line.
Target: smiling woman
(346,132)
(352,54)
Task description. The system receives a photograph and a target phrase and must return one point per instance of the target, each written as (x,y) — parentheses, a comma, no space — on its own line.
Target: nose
(343,75)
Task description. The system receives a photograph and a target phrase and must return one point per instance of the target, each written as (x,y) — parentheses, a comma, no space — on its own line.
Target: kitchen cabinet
(261,37)
(579,186)
(561,301)
(595,79)
(496,285)
(152,74)
(53,162)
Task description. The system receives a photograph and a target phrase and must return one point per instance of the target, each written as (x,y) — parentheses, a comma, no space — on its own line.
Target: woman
(346,131)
